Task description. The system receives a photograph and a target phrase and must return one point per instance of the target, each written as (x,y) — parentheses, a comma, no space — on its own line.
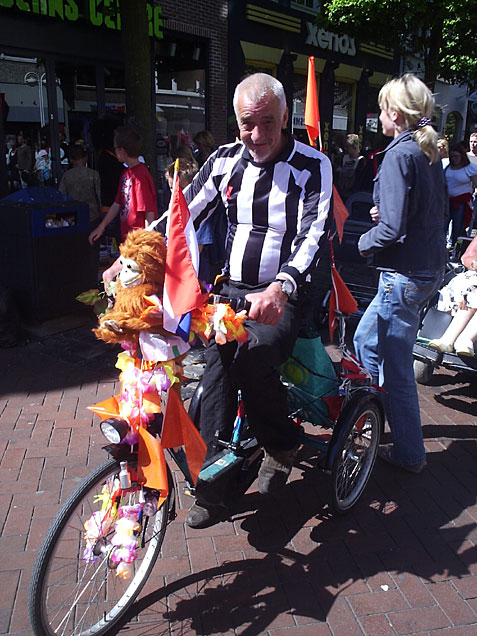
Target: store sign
(96,12)
(331,41)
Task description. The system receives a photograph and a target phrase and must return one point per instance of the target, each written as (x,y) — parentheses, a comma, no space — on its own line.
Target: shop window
(311,6)
(298,115)
(180,93)
(342,110)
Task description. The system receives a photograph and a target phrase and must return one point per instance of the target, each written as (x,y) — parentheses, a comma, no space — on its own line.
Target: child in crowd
(459,297)
(136,197)
(83,184)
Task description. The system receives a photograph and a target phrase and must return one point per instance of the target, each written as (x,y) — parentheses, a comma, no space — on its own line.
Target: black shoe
(200,516)
(275,470)
(386,453)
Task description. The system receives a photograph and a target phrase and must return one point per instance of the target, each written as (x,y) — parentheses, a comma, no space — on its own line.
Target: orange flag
(151,463)
(340,213)
(341,300)
(312,123)
(312,112)
(179,430)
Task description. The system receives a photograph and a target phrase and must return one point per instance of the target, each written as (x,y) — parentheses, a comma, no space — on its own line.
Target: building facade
(62,68)
(278,37)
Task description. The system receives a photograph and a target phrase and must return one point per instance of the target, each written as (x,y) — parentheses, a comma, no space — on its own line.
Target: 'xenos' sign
(97,12)
(331,41)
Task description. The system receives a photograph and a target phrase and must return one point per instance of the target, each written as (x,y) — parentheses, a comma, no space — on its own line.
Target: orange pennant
(340,213)
(312,113)
(341,300)
(107,408)
(179,430)
(151,464)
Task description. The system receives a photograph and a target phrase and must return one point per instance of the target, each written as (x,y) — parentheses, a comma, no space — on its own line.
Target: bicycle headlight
(114,429)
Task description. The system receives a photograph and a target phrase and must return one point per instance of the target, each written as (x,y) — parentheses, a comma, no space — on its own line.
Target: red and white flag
(182,291)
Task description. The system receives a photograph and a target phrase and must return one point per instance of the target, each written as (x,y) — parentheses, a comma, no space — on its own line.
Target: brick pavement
(404,561)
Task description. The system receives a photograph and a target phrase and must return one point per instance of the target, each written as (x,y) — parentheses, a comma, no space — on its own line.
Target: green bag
(311,372)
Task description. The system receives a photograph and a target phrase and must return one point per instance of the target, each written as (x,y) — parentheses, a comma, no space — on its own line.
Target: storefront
(62,69)
(267,36)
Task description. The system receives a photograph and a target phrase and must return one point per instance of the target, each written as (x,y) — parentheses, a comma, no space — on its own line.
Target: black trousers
(251,367)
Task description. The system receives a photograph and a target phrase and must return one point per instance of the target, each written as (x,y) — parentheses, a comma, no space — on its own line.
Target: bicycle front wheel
(356,453)
(74,596)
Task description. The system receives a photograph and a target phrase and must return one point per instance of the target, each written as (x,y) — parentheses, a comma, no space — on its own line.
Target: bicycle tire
(355,454)
(70,597)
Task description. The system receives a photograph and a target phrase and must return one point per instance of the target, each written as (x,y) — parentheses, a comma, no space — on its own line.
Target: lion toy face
(143,259)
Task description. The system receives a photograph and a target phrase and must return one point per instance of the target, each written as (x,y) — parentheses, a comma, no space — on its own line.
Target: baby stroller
(433,325)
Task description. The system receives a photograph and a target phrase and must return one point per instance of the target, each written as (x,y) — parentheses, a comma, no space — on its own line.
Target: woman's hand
(374,213)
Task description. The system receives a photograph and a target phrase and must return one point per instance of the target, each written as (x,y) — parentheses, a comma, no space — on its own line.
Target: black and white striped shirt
(277,211)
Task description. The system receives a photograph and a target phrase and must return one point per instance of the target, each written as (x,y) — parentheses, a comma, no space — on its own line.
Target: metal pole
(53,119)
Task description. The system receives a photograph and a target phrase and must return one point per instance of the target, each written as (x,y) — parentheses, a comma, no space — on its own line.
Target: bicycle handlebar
(237,304)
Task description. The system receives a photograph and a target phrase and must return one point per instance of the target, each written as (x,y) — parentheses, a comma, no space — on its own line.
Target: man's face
(260,124)
(473,144)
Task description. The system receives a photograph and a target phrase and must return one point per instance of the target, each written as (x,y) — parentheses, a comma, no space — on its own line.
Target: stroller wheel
(423,371)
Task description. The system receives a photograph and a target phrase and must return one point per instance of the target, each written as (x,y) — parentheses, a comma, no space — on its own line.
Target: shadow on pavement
(405,525)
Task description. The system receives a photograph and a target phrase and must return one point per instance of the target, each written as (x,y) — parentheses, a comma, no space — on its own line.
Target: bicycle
(77,588)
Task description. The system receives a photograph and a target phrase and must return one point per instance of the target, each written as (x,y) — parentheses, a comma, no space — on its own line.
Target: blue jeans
(456,226)
(384,341)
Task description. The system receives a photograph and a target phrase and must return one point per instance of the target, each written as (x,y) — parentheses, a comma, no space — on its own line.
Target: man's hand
(268,305)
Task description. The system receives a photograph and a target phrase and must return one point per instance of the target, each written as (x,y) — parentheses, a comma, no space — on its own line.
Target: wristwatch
(287,286)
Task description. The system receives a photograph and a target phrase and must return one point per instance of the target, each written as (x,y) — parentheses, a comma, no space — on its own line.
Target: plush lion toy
(143,260)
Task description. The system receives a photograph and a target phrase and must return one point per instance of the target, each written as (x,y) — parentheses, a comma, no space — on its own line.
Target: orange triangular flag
(151,463)
(106,408)
(340,213)
(179,430)
(341,300)
(312,112)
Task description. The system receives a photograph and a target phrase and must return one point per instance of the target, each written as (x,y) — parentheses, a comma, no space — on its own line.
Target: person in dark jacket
(408,243)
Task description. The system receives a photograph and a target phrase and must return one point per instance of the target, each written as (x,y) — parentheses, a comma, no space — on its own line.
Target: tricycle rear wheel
(360,428)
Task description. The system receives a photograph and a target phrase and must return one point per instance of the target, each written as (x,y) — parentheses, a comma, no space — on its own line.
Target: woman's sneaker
(464,347)
(440,345)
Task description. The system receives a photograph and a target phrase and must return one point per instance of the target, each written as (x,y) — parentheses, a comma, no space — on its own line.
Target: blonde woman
(408,243)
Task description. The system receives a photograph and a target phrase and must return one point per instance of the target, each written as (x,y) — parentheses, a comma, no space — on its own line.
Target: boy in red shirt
(136,196)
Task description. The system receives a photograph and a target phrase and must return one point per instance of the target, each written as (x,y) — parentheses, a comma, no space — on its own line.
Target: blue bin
(44,252)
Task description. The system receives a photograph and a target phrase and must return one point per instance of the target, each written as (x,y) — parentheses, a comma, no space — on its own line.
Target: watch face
(287,287)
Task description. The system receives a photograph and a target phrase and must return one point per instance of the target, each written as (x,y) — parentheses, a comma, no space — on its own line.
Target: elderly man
(276,193)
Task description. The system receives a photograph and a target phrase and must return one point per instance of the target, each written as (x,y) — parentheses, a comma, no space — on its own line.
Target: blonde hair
(413,100)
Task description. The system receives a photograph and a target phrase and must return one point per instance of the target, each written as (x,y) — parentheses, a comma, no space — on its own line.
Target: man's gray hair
(258,86)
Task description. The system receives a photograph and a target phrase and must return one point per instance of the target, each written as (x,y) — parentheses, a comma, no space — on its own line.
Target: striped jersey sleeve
(277,211)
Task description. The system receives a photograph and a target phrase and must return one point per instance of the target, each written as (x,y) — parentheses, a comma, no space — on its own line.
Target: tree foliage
(441,31)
